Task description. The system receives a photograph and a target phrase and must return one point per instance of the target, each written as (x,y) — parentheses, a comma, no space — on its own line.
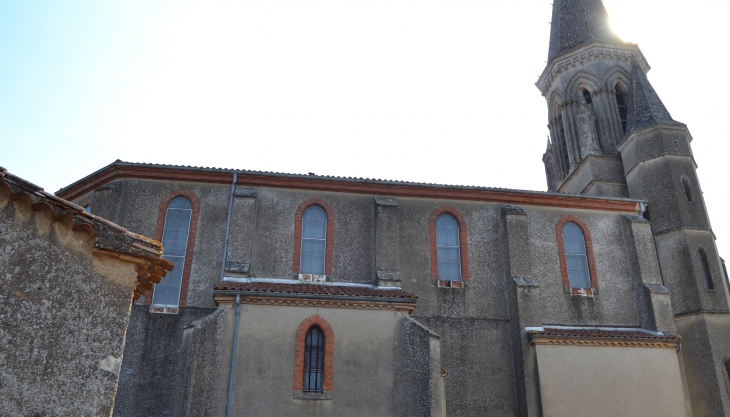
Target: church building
(311,295)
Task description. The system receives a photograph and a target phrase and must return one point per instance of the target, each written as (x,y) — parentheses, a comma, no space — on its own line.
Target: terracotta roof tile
(109,238)
(311,289)
(638,334)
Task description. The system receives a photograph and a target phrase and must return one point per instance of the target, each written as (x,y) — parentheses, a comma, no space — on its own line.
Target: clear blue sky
(434,91)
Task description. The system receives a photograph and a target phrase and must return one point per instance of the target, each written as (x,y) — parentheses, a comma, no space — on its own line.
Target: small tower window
(705,265)
(623,107)
(587,97)
(314,360)
(687,189)
(563,144)
(589,101)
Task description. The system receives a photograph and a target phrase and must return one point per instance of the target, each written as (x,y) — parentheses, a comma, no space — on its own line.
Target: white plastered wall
(610,381)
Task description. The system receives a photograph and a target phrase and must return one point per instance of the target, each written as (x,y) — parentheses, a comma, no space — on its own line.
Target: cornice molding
(585,54)
(371,187)
(223,299)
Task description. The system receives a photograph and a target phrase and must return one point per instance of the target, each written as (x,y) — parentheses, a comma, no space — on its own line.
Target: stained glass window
(576,258)
(174,244)
(314,241)
(447,245)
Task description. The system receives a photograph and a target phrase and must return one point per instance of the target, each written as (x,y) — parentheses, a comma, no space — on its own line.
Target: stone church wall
(63,316)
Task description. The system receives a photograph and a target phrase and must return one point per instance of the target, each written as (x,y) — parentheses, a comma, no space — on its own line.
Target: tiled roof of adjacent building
(307,289)
(110,239)
(601,333)
(601,336)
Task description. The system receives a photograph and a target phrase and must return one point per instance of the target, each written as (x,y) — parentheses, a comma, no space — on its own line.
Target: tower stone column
(659,167)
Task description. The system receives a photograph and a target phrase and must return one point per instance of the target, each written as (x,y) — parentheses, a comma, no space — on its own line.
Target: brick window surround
(296,263)
(589,251)
(462,242)
(329,351)
(191,240)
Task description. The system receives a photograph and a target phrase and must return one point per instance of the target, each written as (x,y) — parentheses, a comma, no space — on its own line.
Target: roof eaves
(109,238)
(119,163)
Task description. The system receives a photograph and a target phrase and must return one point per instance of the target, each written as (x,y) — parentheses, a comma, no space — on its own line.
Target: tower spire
(645,107)
(577,22)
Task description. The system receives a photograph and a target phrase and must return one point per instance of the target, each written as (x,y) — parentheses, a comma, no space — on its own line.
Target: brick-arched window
(177,209)
(312,208)
(575,248)
(314,358)
(447,220)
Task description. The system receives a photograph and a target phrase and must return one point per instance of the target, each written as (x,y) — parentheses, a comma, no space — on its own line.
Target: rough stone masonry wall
(63,317)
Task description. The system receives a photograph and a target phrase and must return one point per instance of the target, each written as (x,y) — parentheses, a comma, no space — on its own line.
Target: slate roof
(645,107)
(110,239)
(577,22)
(602,333)
(265,288)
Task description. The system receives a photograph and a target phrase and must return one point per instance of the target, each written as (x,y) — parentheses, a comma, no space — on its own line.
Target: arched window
(449,251)
(563,145)
(589,101)
(447,244)
(587,97)
(314,360)
(576,256)
(314,241)
(705,266)
(687,189)
(623,107)
(174,243)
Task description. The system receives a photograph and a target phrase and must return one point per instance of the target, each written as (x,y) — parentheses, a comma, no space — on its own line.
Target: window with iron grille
(314,360)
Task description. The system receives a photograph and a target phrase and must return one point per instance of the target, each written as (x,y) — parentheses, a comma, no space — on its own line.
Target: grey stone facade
(494,342)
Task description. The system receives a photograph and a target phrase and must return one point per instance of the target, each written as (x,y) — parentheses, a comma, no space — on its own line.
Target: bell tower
(611,135)
(586,83)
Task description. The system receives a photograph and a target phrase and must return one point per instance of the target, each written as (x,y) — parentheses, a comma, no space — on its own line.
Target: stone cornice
(223,299)
(584,54)
(119,170)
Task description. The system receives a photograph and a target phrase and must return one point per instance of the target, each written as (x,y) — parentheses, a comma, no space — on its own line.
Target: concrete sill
(301,395)
(581,292)
(163,310)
